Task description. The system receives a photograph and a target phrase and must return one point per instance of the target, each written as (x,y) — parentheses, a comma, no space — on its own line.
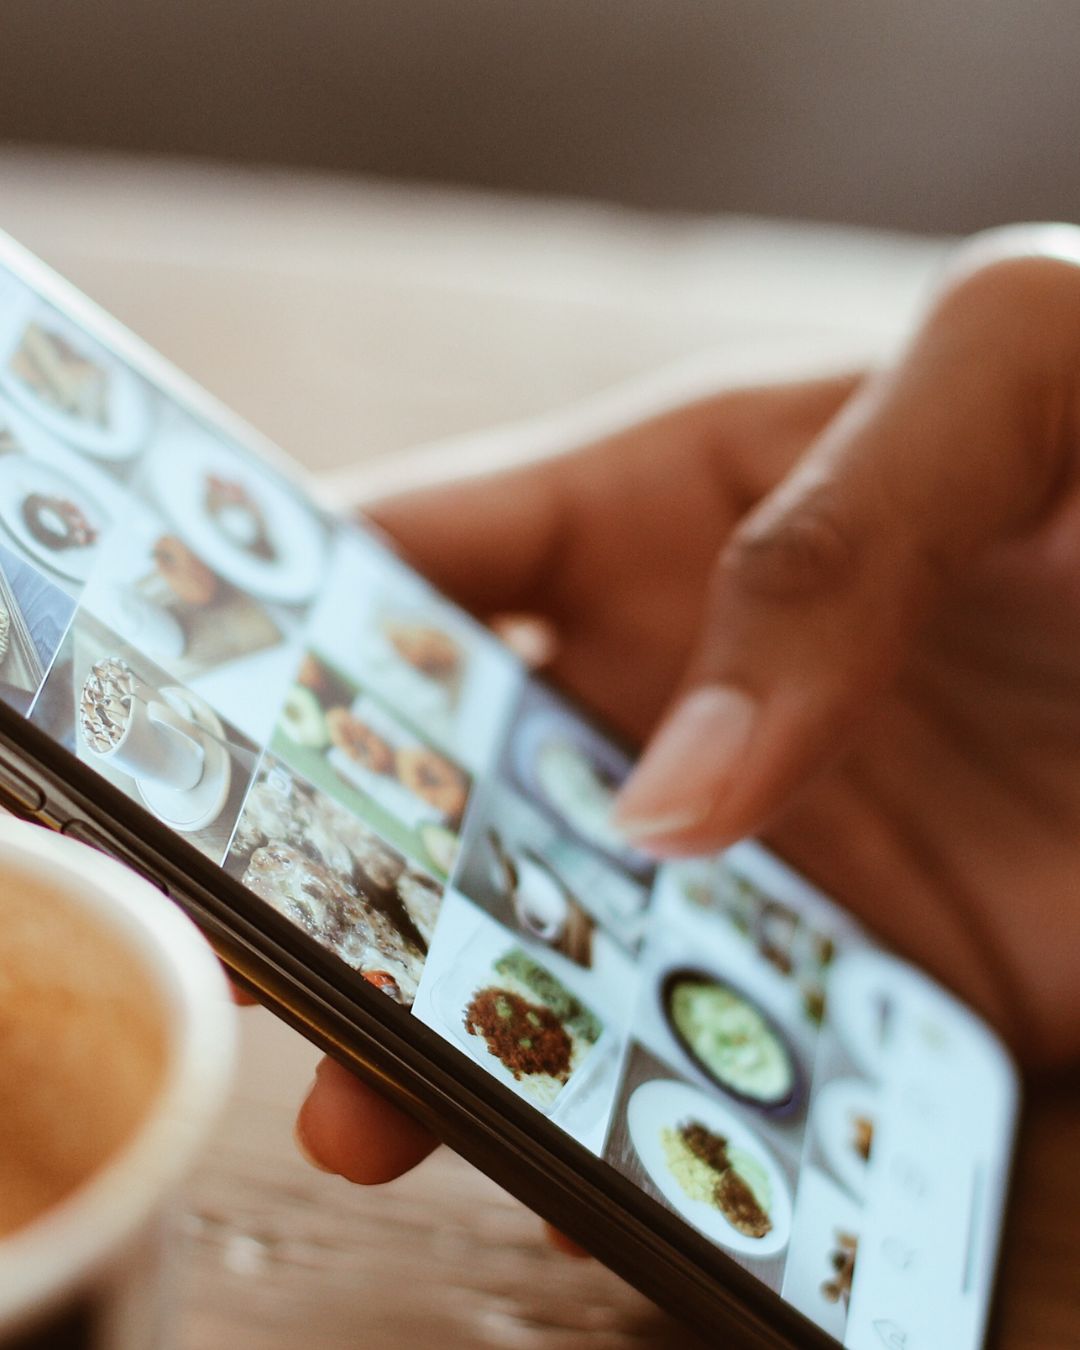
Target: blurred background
(909,114)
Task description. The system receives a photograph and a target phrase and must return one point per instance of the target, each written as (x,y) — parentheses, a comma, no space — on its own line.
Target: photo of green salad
(731,1040)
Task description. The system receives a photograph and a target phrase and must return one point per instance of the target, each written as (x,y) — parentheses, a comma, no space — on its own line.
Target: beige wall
(922,113)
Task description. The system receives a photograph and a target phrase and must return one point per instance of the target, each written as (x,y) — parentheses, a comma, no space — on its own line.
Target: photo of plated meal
(732,1040)
(823,1251)
(233,513)
(71,385)
(386,627)
(521,1022)
(710,1167)
(572,773)
(844,1120)
(348,742)
(335,878)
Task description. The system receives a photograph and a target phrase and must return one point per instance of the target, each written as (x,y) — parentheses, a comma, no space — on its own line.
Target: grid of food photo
(362,751)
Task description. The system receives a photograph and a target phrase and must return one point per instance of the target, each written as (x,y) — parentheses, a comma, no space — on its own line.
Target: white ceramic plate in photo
(127,401)
(665,1104)
(22,477)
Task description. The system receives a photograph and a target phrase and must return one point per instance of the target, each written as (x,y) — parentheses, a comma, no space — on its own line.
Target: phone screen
(276,686)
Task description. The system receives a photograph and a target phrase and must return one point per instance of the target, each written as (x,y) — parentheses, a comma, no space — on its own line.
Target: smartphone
(399,838)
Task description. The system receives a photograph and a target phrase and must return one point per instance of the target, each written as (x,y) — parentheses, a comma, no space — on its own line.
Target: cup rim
(53,1255)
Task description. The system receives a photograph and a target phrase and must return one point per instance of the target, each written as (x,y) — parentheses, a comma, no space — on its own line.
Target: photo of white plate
(115,413)
(21,480)
(179,473)
(454,991)
(837,1109)
(573,773)
(664,1105)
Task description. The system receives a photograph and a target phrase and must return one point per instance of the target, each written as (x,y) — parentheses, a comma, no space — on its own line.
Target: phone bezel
(310,989)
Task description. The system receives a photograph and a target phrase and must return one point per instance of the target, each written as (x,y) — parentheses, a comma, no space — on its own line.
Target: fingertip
(347,1128)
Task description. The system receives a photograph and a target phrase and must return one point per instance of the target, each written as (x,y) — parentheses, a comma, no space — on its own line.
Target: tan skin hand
(904,619)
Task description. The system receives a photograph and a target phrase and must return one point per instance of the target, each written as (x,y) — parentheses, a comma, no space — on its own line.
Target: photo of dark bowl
(731,1039)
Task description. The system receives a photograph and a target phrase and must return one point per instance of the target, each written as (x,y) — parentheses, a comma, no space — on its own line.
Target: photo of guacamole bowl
(732,1040)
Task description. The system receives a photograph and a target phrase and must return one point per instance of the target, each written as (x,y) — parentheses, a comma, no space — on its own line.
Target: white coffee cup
(89,951)
(157,743)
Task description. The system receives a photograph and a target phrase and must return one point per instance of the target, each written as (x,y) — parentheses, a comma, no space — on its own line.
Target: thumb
(817,595)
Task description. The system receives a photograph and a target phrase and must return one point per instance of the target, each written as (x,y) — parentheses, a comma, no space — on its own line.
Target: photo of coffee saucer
(53,518)
(239,518)
(73,386)
(194,808)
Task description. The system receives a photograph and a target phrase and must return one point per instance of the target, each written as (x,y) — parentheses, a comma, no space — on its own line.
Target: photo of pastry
(571,772)
(710,1167)
(34,616)
(156,740)
(71,384)
(385,626)
(350,744)
(844,1119)
(535,878)
(233,513)
(160,596)
(336,878)
(548,1030)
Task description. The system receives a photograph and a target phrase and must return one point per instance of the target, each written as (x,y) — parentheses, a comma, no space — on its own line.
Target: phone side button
(17,793)
(86,833)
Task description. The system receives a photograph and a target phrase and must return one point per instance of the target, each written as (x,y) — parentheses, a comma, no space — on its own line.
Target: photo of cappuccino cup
(125,722)
(116,1044)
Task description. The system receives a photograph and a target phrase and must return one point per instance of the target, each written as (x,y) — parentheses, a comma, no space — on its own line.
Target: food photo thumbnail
(233,512)
(386,628)
(824,1252)
(157,741)
(333,876)
(70,384)
(571,772)
(56,508)
(706,1160)
(349,743)
(545,1029)
(535,878)
(34,616)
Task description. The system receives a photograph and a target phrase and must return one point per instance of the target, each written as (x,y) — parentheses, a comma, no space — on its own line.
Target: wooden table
(348,321)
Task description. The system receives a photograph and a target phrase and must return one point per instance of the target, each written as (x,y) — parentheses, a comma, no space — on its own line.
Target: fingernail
(676,784)
(301,1141)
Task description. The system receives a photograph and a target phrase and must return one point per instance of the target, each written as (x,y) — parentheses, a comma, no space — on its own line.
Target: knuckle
(804,552)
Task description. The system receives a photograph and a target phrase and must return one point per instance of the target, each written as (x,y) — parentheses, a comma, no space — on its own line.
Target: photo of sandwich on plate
(335,878)
(532,1025)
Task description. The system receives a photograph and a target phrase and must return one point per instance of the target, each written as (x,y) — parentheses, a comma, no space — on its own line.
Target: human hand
(866,594)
